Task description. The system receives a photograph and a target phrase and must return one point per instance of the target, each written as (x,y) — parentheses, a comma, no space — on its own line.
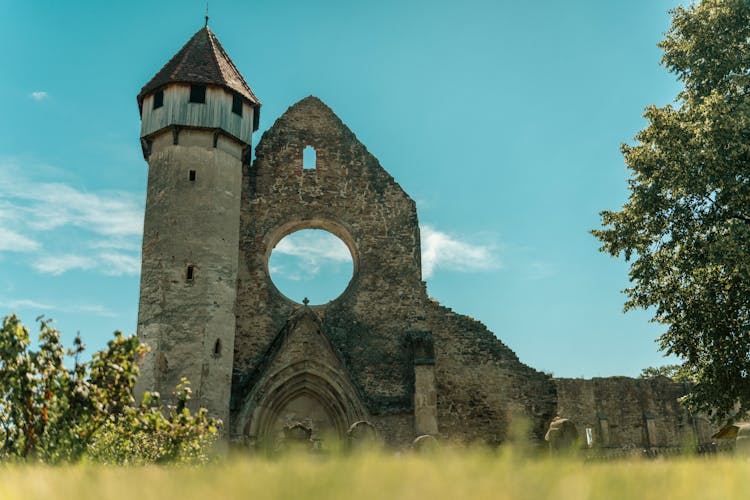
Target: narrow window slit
(309,158)
(190,272)
(217,348)
(191,175)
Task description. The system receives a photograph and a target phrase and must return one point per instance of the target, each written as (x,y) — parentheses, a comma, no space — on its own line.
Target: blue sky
(503,121)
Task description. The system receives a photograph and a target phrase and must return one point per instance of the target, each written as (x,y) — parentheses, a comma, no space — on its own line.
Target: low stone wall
(624,412)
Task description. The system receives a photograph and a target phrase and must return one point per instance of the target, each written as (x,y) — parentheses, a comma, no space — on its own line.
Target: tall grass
(447,475)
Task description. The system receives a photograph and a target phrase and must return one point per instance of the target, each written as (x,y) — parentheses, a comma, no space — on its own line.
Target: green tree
(52,413)
(685,228)
(674,372)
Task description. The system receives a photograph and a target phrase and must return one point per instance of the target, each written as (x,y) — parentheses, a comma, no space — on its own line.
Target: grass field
(470,475)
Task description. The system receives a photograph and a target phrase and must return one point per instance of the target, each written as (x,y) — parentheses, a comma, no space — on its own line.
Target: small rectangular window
(190,273)
(198,93)
(237,104)
(309,158)
(191,175)
(158,99)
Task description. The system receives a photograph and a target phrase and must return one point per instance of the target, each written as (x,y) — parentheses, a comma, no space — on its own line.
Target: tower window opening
(191,175)
(217,348)
(237,104)
(198,93)
(190,273)
(309,158)
(158,99)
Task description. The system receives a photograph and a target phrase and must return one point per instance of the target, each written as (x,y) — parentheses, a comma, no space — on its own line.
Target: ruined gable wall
(350,195)
(481,384)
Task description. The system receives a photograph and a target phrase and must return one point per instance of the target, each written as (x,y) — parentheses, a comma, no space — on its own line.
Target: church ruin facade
(383,354)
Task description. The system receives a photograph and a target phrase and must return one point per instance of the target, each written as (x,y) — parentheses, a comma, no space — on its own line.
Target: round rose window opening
(311,264)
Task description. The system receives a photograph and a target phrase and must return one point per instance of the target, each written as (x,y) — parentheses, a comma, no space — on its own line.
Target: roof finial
(206,14)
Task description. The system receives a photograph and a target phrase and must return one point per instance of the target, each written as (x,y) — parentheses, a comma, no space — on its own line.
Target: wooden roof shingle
(202,60)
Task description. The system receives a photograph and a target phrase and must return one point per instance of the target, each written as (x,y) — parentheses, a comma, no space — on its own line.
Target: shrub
(52,413)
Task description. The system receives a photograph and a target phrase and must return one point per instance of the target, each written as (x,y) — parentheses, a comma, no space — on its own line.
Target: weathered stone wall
(190,223)
(627,412)
(382,351)
(481,385)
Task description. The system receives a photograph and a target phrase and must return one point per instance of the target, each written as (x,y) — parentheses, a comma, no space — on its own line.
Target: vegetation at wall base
(53,414)
(685,228)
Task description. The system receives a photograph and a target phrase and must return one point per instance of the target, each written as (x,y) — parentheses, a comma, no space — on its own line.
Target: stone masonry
(382,355)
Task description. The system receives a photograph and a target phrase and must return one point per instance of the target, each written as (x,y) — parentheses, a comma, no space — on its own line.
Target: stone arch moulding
(317,380)
(325,222)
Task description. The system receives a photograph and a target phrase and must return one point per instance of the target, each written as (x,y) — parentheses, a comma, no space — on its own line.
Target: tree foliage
(52,413)
(674,372)
(685,228)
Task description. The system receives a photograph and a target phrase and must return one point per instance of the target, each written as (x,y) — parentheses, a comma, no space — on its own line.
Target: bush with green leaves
(53,413)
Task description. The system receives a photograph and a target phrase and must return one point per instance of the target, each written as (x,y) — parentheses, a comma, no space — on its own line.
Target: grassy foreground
(472,475)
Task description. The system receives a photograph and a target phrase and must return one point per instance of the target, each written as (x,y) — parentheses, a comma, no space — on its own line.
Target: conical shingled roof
(201,60)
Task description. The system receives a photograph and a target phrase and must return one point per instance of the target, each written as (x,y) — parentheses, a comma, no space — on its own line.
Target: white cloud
(11,241)
(310,249)
(117,264)
(52,205)
(65,227)
(24,304)
(110,263)
(44,206)
(443,251)
(58,264)
(94,309)
(315,248)
(314,245)
(39,95)
(127,244)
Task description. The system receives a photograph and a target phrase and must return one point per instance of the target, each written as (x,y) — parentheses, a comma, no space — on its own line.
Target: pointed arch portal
(309,392)
(303,382)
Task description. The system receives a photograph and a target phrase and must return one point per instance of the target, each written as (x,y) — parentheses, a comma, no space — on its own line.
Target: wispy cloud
(65,227)
(34,305)
(39,95)
(58,264)
(301,255)
(52,205)
(311,249)
(443,251)
(94,309)
(117,264)
(111,264)
(26,304)
(11,241)
(314,245)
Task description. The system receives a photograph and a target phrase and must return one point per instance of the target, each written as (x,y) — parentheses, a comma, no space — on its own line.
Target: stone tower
(198,115)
